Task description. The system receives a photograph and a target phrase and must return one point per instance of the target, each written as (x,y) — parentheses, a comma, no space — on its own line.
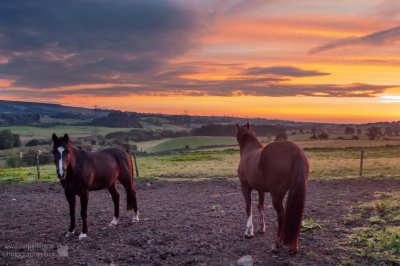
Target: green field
(325,163)
(191,142)
(218,157)
(28,132)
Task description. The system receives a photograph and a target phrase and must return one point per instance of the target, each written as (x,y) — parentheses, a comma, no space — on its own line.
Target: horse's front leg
(84,195)
(71,201)
(246,190)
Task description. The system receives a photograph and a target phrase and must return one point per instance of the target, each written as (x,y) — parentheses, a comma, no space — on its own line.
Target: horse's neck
(78,155)
(250,143)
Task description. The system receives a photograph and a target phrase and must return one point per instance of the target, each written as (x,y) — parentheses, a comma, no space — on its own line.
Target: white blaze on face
(60,162)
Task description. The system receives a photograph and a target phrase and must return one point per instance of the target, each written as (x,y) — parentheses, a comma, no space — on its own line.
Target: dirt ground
(182,223)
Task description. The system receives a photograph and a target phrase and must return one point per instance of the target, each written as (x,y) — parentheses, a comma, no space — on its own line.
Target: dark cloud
(286,71)
(50,43)
(273,87)
(377,38)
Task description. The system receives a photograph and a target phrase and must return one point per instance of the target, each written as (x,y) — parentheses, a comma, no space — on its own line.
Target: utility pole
(187,119)
(95,120)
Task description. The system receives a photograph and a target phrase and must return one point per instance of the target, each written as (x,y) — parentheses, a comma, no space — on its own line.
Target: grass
(378,237)
(48,120)
(345,162)
(192,165)
(192,142)
(28,132)
(210,162)
(309,224)
(27,174)
(220,163)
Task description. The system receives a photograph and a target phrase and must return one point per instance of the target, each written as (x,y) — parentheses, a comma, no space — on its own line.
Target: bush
(29,158)
(36,142)
(281,136)
(9,140)
(323,135)
(14,162)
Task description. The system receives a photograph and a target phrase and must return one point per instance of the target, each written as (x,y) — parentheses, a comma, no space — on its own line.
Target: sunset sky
(305,60)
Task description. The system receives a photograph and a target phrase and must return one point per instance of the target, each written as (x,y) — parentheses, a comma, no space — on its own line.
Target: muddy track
(182,223)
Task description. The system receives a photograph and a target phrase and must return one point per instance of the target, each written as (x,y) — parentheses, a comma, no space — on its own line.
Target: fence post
(37,165)
(361,163)
(136,167)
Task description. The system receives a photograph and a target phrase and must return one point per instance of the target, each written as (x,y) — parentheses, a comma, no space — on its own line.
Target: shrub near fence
(31,158)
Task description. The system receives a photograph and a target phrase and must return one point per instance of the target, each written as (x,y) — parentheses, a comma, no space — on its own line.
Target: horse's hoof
(68,233)
(114,222)
(82,236)
(275,249)
(135,218)
(262,231)
(248,235)
(293,251)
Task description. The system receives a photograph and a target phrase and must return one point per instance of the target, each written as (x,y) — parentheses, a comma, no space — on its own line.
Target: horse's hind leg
(84,197)
(277,202)
(246,190)
(261,196)
(131,199)
(115,197)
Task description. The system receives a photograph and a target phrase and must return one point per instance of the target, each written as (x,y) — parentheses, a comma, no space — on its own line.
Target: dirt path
(182,223)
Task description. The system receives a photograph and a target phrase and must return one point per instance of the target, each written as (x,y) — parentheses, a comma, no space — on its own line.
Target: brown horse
(276,168)
(81,171)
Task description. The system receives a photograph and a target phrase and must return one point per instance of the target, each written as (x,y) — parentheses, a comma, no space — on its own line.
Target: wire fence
(38,159)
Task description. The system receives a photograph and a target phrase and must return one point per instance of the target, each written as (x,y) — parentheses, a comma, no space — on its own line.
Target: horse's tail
(130,159)
(295,200)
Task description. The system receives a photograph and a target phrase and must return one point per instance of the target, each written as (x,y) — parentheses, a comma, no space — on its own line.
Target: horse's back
(116,158)
(280,155)
(277,163)
(118,154)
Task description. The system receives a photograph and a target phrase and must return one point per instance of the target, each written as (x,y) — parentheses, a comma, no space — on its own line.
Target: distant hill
(47,114)
(14,107)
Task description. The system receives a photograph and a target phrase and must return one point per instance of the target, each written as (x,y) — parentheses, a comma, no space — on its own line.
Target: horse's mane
(248,135)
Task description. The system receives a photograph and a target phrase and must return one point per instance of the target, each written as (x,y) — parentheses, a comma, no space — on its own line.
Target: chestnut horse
(276,168)
(81,171)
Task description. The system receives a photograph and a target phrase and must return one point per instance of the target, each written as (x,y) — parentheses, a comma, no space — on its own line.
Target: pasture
(192,210)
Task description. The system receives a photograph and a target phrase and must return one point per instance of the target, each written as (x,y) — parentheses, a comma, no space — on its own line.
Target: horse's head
(243,131)
(62,154)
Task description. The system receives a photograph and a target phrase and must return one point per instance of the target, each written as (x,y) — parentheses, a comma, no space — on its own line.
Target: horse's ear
(237,126)
(54,137)
(66,137)
(248,125)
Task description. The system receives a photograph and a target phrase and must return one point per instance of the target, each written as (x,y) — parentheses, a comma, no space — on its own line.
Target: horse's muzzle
(63,176)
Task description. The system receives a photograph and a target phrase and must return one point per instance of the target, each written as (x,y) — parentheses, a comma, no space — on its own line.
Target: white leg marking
(60,162)
(135,217)
(68,234)
(114,221)
(82,236)
(249,227)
